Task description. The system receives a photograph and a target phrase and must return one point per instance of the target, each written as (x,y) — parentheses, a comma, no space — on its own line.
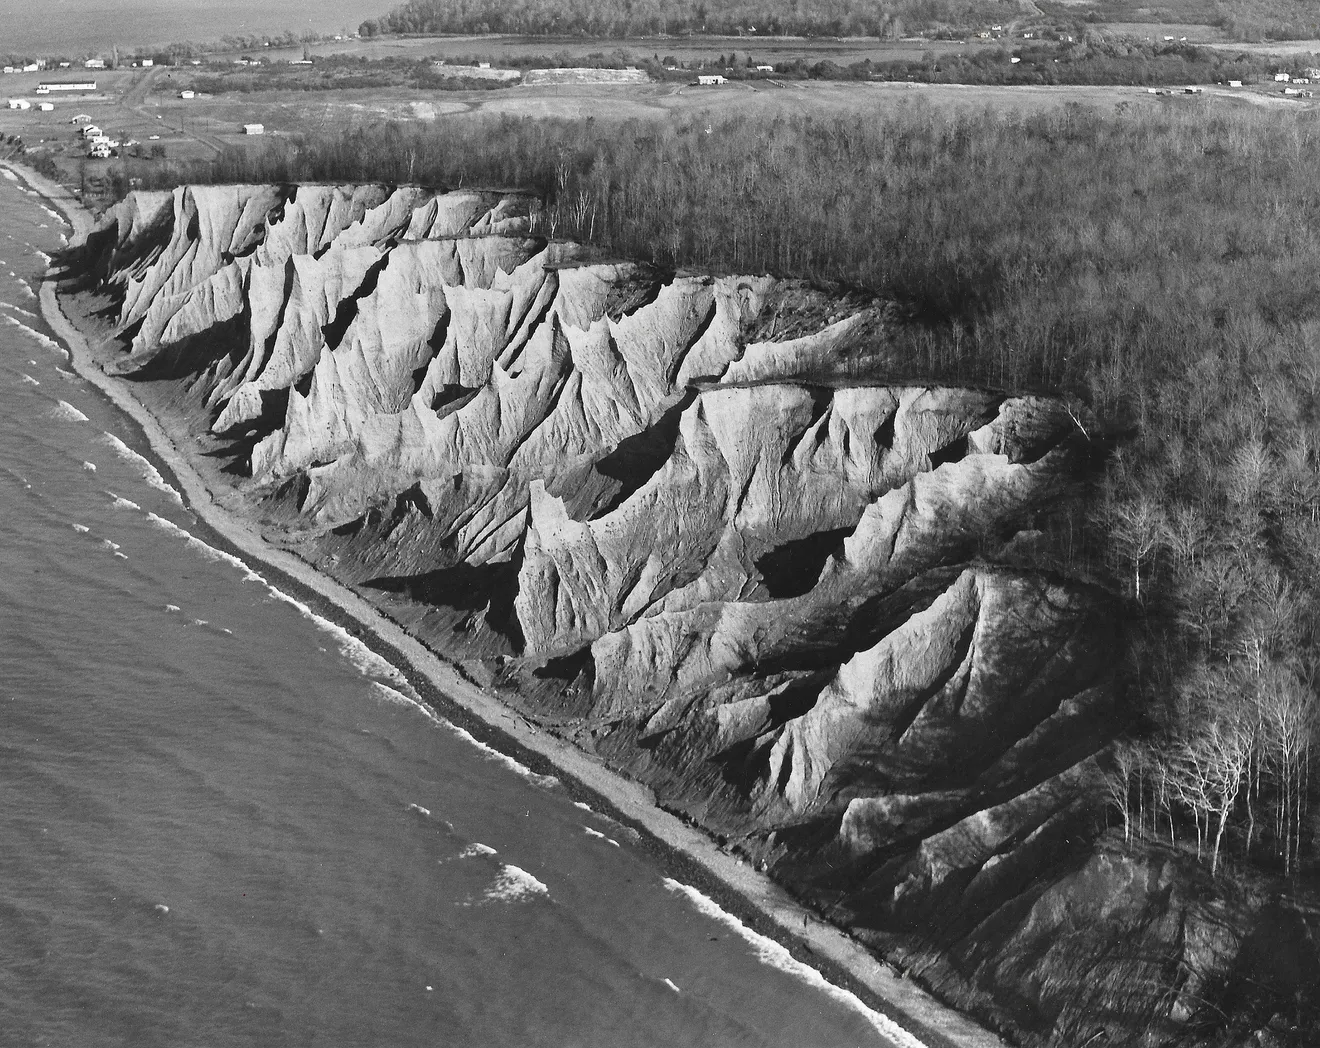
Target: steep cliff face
(706,536)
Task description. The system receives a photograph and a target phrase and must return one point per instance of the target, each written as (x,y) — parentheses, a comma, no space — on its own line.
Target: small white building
(91,131)
(1282,78)
(187,94)
(9,69)
(765,69)
(45,107)
(147,63)
(19,103)
(80,118)
(254,129)
(1235,83)
(94,63)
(45,87)
(710,81)
(31,67)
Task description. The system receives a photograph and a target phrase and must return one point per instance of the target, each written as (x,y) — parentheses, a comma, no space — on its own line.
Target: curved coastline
(918,1018)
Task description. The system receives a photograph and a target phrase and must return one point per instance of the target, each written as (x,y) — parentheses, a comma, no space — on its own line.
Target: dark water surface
(76,27)
(223,820)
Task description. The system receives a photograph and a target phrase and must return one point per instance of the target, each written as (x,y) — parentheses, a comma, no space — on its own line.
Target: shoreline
(774,912)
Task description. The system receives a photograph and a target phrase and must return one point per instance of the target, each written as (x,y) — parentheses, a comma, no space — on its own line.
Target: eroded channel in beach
(228,822)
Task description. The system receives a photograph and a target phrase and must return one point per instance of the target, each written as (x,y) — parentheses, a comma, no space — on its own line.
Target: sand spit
(827,946)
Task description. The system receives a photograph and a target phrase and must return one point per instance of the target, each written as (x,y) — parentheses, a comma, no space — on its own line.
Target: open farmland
(134,106)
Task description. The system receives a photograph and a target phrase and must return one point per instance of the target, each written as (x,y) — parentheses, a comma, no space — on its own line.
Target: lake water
(224,821)
(73,27)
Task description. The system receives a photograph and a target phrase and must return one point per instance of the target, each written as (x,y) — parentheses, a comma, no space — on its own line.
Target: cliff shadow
(482,593)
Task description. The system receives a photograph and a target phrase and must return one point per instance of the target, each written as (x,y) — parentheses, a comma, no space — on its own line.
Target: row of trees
(1211,518)
(624,18)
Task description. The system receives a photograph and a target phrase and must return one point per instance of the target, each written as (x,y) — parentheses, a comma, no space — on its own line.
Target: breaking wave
(515,885)
(776,956)
(149,472)
(37,336)
(65,410)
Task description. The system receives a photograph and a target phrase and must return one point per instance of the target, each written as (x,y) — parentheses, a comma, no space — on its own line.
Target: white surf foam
(408,697)
(66,411)
(54,214)
(39,253)
(121,556)
(149,472)
(122,503)
(30,380)
(600,836)
(81,529)
(776,956)
(670,984)
(491,753)
(172,607)
(475,849)
(90,467)
(68,376)
(18,309)
(584,807)
(418,809)
(515,885)
(364,660)
(206,550)
(9,174)
(112,546)
(37,336)
(384,691)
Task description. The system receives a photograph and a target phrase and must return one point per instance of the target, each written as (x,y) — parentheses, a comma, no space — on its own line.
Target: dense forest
(1159,268)
(622,18)
(1239,19)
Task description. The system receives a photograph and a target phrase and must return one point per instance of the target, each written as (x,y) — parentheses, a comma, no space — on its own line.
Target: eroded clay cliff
(695,525)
